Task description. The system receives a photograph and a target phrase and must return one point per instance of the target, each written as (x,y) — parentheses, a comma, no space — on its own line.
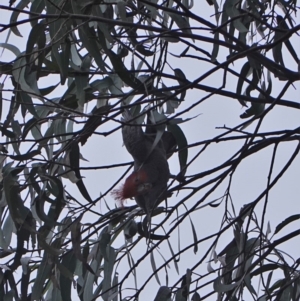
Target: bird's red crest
(130,188)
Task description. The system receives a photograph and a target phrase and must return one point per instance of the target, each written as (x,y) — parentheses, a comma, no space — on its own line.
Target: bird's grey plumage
(152,160)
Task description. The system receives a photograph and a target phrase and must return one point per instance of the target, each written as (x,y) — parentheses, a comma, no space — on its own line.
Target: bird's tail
(126,117)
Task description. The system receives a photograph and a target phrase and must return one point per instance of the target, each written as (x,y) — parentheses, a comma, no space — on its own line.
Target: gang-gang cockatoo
(148,182)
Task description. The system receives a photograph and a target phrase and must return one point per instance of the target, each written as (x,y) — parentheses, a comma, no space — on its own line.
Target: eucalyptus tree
(69,70)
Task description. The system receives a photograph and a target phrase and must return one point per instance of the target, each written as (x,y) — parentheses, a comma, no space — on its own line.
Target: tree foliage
(99,58)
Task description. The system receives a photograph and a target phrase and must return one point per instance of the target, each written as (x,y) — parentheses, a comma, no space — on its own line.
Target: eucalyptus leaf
(182,145)
(88,38)
(69,263)
(14,49)
(181,22)
(216,47)
(108,269)
(21,72)
(179,295)
(14,16)
(286,222)
(37,6)
(7,229)
(154,269)
(43,273)
(232,12)
(196,297)
(223,288)
(163,294)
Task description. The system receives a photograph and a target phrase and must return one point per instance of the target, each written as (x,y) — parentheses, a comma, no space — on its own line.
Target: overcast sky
(249,180)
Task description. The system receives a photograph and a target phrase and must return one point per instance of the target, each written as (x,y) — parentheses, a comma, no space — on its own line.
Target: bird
(147,184)
(134,185)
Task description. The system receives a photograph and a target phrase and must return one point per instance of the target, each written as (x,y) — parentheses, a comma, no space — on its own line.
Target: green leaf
(74,163)
(216,47)
(15,205)
(88,37)
(247,281)
(9,296)
(245,71)
(181,78)
(37,6)
(194,236)
(98,290)
(287,221)
(3,244)
(232,12)
(154,269)
(8,228)
(90,278)
(181,22)
(26,156)
(257,108)
(1,98)
(55,187)
(130,229)
(24,76)
(185,283)
(163,294)
(153,10)
(155,118)
(126,76)
(102,26)
(139,47)
(48,90)
(282,30)
(56,295)
(179,295)
(182,144)
(81,82)
(173,256)
(7,133)
(60,51)
(65,280)
(36,37)
(104,241)
(28,126)
(39,207)
(25,262)
(115,290)
(265,268)
(43,273)
(53,249)
(277,49)
(14,16)
(61,55)
(122,10)
(69,97)
(196,297)
(14,49)
(231,254)
(108,269)
(102,85)
(64,227)
(26,103)
(219,287)
(286,294)
(224,19)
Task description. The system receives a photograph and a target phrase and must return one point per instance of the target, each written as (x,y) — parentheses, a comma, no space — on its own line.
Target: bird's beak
(143,188)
